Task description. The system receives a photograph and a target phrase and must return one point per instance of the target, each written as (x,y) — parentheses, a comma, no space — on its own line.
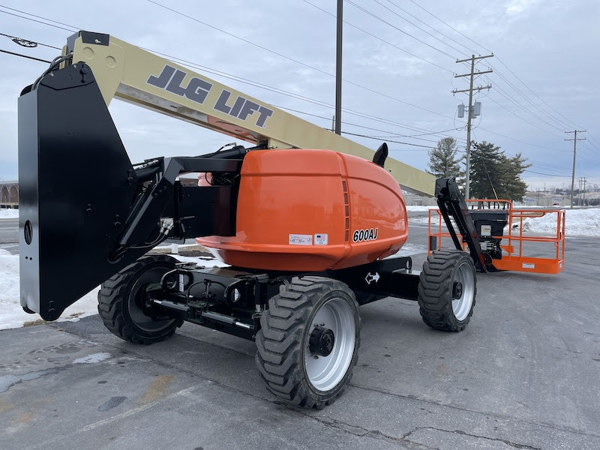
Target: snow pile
(13,316)
(578,222)
(420,208)
(9,213)
(11,313)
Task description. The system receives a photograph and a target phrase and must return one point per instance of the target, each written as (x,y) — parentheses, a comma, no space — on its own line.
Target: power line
(447,37)
(513,138)
(565,121)
(546,174)
(389,140)
(399,29)
(514,102)
(380,39)
(483,156)
(70,29)
(450,26)
(280,91)
(250,82)
(389,97)
(416,26)
(527,101)
(26,42)
(534,109)
(551,113)
(262,47)
(192,64)
(25,56)
(389,135)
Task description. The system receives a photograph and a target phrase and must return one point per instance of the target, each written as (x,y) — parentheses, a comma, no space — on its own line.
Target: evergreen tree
(443,160)
(486,160)
(494,175)
(515,188)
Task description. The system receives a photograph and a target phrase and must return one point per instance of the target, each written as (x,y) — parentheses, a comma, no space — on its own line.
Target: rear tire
(308,342)
(447,290)
(122,302)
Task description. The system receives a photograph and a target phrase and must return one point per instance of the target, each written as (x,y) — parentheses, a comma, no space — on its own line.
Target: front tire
(308,342)
(122,302)
(447,290)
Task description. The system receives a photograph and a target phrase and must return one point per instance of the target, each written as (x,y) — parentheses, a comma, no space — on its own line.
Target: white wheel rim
(461,306)
(326,372)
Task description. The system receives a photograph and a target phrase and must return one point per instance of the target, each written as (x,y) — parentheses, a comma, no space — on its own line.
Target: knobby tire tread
(111,302)
(279,355)
(435,291)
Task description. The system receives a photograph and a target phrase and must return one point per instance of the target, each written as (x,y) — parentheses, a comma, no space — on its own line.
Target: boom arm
(138,76)
(452,204)
(87,211)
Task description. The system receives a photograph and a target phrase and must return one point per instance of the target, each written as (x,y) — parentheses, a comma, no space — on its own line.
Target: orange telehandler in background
(308,221)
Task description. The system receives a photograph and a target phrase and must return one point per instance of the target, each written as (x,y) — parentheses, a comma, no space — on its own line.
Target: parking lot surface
(524,374)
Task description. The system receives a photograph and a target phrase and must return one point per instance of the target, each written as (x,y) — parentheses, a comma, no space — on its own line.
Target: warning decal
(301,239)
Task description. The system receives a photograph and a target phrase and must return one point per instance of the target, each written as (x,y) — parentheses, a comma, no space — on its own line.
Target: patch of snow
(9,213)
(11,313)
(93,358)
(578,222)
(420,208)
(420,220)
(411,249)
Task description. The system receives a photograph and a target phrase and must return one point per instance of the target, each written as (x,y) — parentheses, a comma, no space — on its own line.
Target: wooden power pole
(338,68)
(472,76)
(575,139)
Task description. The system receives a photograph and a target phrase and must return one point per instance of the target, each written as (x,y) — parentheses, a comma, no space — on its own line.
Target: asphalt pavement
(524,374)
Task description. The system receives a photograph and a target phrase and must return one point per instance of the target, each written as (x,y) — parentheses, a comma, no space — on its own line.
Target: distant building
(412,199)
(9,194)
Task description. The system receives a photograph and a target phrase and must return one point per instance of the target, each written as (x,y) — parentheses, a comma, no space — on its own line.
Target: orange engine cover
(312,210)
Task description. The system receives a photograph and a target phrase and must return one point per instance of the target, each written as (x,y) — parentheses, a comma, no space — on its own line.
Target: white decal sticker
(370,278)
(528,266)
(301,239)
(321,239)
(486,230)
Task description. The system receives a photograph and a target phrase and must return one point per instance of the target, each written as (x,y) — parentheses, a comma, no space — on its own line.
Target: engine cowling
(312,210)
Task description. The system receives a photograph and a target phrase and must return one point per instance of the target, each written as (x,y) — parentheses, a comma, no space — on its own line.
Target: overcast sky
(399,71)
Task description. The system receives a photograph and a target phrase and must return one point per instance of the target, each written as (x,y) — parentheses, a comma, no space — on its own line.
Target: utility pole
(472,75)
(338,68)
(575,139)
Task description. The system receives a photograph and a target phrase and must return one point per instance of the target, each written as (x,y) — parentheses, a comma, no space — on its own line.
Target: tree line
(492,173)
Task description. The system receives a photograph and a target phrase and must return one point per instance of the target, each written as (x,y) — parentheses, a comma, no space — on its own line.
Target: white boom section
(130,73)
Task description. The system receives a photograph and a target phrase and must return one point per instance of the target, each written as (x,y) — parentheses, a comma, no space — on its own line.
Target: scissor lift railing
(522,250)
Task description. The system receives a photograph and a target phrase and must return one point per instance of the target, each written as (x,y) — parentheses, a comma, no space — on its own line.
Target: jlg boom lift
(306,220)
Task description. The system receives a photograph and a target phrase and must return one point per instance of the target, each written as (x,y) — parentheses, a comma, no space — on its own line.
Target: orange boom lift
(308,222)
